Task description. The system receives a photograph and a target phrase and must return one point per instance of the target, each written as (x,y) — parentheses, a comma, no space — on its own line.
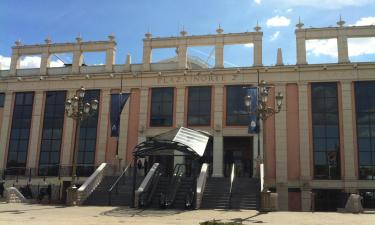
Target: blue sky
(62,21)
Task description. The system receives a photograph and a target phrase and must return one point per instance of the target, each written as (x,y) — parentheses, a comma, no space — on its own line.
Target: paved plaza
(49,214)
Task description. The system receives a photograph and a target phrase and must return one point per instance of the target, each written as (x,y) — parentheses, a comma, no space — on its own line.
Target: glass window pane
(320,158)
(332,131)
(363,131)
(365,158)
(364,144)
(162,107)
(319,131)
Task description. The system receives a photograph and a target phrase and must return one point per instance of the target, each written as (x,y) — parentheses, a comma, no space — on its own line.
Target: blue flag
(118,102)
(253,119)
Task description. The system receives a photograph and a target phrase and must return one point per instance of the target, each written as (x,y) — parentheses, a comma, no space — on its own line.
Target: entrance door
(238,150)
(166,163)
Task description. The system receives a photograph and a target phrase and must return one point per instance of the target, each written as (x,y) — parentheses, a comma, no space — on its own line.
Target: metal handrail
(149,182)
(232,176)
(115,184)
(201,184)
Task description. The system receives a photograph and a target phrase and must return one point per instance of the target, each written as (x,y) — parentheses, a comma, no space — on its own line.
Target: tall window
(52,132)
(365,114)
(325,124)
(199,106)
(162,107)
(237,113)
(2,98)
(87,138)
(20,131)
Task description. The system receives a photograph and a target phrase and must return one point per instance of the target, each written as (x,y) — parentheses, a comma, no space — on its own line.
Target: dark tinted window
(2,98)
(365,115)
(52,132)
(162,107)
(199,106)
(20,130)
(237,113)
(87,137)
(325,124)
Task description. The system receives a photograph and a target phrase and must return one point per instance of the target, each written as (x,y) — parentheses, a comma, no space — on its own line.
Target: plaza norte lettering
(195,79)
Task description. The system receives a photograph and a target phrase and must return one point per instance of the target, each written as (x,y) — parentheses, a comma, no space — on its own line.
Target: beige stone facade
(140,78)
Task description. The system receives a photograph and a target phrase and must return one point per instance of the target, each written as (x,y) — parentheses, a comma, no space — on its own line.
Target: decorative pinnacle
(111,37)
(341,22)
(219,30)
(79,38)
(183,32)
(257,28)
(299,25)
(48,40)
(18,42)
(148,35)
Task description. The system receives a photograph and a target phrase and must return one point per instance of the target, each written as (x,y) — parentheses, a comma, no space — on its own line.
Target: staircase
(245,194)
(162,187)
(100,195)
(216,194)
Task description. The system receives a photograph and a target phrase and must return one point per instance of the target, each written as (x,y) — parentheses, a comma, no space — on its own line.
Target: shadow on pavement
(126,211)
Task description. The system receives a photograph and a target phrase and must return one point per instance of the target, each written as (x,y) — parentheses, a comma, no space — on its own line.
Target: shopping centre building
(319,147)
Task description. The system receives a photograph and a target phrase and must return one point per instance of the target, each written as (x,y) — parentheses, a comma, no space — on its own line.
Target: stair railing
(174,185)
(232,176)
(91,183)
(201,184)
(146,190)
(115,185)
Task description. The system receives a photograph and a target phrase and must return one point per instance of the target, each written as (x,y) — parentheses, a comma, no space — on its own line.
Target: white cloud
(289,10)
(325,4)
(275,36)
(365,21)
(4,62)
(361,46)
(278,21)
(322,47)
(249,45)
(258,1)
(27,62)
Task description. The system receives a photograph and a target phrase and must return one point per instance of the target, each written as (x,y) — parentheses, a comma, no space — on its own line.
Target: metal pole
(134,182)
(75,153)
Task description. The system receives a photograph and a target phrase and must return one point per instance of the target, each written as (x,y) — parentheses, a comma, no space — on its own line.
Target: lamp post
(78,110)
(263,112)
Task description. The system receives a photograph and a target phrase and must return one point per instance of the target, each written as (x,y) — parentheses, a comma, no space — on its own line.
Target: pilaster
(68,136)
(5,127)
(342,47)
(35,130)
(304,131)
(219,55)
(124,128)
(281,153)
(147,51)
(103,126)
(143,113)
(301,49)
(110,59)
(218,147)
(45,61)
(258,51)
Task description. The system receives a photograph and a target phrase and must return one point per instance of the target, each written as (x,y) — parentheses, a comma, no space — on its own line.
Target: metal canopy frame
(164,144)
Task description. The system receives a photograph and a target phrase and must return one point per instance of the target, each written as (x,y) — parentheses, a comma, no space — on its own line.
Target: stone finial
(79,38)
(18,42)
(183,32)
(341,22)
(257,28)
(299,25)
(219,30)
(48,40)
(111,37)
(148,35)
(279,60)
(128,59)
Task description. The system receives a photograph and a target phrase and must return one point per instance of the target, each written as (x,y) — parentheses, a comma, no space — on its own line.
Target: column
(304,145)
(77,60)
(258,51)
(110,59)
(143,114)
(301,47)
(103,126)
(147,51)
(219,55)
(281,153)
(5,127)
(14,62)
(68,136)
(182,56)
(218,147)
(347,128)
(45,61)
(342,47)
(35,130)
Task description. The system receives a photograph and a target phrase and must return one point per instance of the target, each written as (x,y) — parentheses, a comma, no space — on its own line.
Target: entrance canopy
(180,141)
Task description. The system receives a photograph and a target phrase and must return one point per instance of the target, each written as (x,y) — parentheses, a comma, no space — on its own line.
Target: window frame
(199,101)
(163,102)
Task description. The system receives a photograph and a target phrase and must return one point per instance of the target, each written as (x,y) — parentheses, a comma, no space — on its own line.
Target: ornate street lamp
(263,112)
(78,110)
